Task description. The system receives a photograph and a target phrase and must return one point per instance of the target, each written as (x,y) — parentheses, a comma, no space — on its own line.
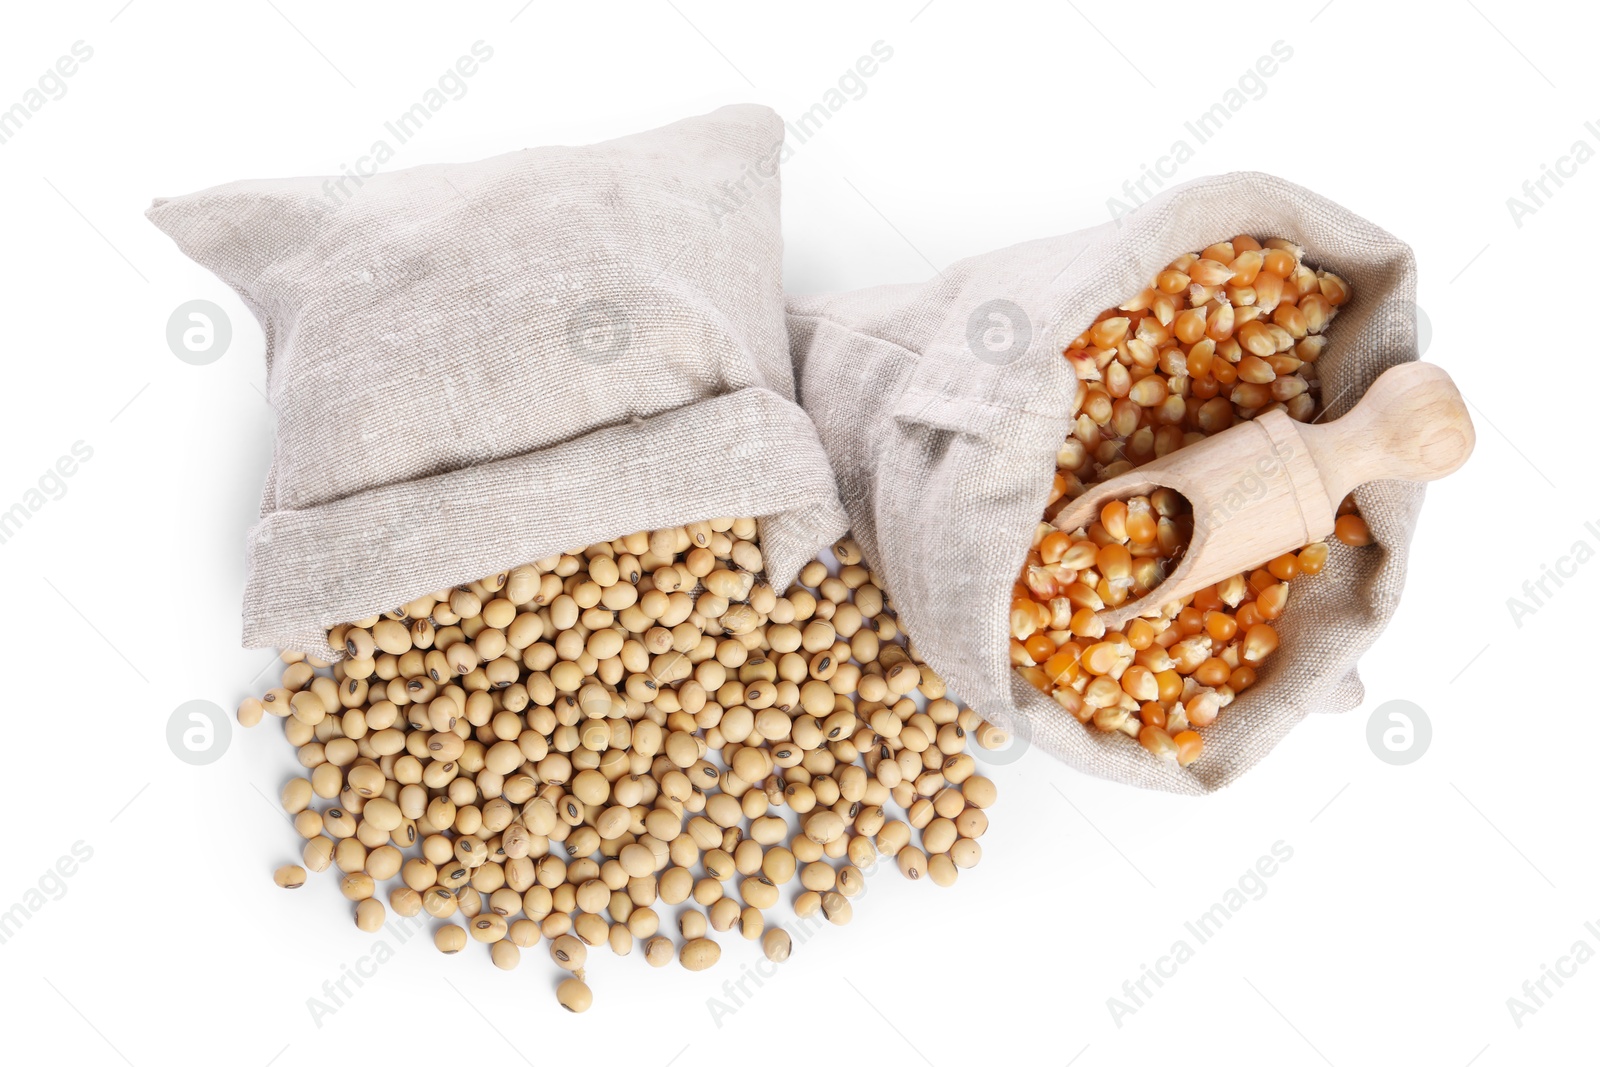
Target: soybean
(568,952)
(450,939)
(574,995)
(698,954)
(776,944)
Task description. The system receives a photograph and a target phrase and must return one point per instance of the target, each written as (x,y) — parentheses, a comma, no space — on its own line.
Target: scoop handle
(1411,425)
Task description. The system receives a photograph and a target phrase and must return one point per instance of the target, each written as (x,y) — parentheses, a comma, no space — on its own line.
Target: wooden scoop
(1271,485)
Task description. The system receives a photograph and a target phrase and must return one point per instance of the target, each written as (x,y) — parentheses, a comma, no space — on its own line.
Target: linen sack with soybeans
(475,366)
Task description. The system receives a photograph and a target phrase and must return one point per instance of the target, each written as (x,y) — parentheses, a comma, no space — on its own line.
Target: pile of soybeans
(579,748)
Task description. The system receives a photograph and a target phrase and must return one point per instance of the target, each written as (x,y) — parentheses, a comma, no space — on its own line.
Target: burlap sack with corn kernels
(945,449)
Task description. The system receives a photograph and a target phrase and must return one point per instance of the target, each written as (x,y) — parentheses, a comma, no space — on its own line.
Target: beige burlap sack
(481,365)
(942,405)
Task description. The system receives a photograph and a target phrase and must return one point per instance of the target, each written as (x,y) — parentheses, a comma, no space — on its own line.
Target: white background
(1418,898)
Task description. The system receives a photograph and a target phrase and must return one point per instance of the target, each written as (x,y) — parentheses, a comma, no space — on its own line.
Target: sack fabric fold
(942,406)
(474,366)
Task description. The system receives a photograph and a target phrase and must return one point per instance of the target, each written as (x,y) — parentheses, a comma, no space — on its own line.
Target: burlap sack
(942,406)
(476,366)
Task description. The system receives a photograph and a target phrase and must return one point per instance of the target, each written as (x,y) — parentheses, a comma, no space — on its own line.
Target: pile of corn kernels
(564,751)
(1219,337)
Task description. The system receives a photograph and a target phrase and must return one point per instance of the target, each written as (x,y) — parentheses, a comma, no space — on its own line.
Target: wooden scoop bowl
(1271,485)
